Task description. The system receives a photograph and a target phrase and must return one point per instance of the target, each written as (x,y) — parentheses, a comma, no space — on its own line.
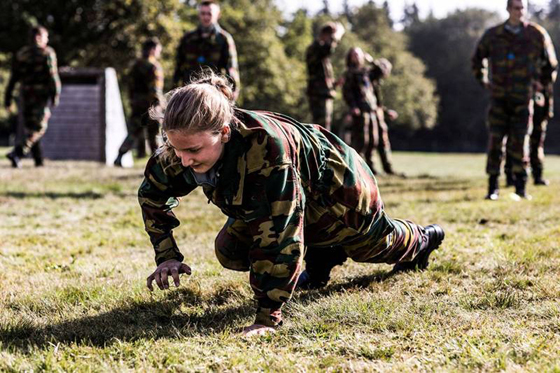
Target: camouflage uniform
(358,92)
(383,144)
(320,82)
(35,68)
(516,61)
(286,187)
(543,112)
(146,86)
(217,51)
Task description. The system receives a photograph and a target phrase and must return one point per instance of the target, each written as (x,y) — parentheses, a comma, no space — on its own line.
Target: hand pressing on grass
(161,274)
(257,329)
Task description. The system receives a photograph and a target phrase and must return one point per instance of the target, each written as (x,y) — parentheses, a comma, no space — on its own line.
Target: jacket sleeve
(155,83)
(232,67)
(349,92)
(550,62)
(178,75)
(158,194)
(54,82)
(14,78)
(482,52)
(278,246)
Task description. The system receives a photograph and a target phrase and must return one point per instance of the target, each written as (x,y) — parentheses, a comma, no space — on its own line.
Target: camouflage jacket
(146,83)
(216,51)
(359,89)
(516,61)
(36,70)
(293,184)
(320,76)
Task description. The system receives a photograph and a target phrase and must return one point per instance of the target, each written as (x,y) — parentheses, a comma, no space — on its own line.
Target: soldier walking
(145,90)
(207,46)
(521,61)
(320,76)
(35,68)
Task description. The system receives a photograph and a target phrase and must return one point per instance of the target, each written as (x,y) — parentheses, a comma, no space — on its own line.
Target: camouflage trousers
(321,110)
(509,121)
(36,114)
(140,127)
(364,136)
(388,241)
(536,142)
(383,146)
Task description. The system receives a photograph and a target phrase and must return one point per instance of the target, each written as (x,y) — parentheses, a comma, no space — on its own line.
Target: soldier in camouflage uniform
(320,77)
(35,68)
(359,94)
(521,58)
(209,46)
(287,188)
(543,112)
(146,90)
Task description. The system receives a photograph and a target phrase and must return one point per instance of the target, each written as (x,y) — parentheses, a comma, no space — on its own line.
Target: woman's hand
(257,329)
(161,274)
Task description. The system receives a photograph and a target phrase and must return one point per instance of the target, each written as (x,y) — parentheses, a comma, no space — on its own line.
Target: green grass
(74,258)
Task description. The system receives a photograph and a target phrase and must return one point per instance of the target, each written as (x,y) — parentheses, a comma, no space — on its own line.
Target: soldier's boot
(510,179)
(537,176)
(431,239)
(37,153)
(319,265)
(118,160)
(493,188)
(520,188)
(15,156)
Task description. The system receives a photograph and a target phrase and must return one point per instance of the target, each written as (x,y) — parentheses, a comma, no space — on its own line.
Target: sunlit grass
(74,258)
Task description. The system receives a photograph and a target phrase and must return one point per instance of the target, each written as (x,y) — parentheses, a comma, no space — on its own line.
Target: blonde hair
(205,104)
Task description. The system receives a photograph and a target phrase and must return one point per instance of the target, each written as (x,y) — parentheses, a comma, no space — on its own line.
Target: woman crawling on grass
(290,191)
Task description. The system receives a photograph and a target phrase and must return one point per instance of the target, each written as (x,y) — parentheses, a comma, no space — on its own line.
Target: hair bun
(221,83)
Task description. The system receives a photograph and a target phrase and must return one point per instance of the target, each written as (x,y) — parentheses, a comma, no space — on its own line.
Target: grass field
(74,258)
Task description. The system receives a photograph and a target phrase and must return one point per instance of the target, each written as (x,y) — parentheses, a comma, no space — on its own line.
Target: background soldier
(207,46)
(35,68)
(146,87)
(359,94)
(320,77)
(521,58)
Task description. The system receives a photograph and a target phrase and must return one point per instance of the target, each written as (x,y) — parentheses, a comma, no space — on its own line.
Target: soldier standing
(359,94)
(287,188)
(35,68)
(145,90)
(320,77)
(521,61)
(207,46)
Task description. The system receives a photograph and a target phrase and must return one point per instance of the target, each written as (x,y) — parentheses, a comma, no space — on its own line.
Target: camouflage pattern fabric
(284,186)
(145,89)
(359,94)
(516,61)
(321,110)
(383,143)
(216,51)
(35,69)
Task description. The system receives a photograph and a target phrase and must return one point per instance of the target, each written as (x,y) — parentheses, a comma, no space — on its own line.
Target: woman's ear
(226,133)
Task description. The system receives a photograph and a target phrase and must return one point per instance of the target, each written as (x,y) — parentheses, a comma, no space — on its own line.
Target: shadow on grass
(53,195)
(139,320)
(158,318)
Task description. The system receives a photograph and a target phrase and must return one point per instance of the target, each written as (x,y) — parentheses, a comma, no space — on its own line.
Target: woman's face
(199,150)
(357,57)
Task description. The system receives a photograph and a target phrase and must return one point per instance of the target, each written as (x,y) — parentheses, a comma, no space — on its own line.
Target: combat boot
(520,191)
(118,160)
(319,264)
(431,239)
(12,156)
(537,176)
(493,188)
